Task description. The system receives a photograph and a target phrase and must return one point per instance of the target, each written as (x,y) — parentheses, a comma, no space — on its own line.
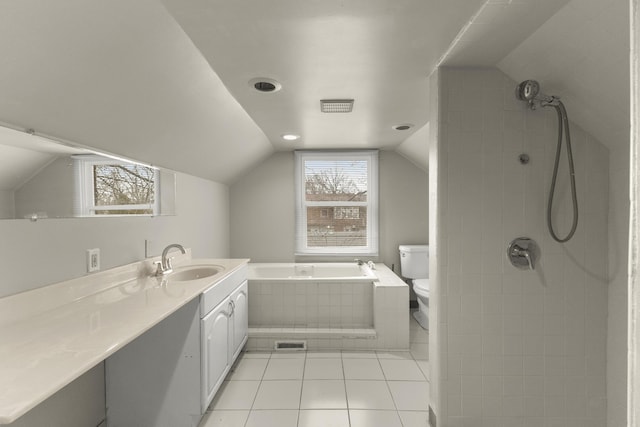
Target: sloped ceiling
(582,55)
(577,50)
(122,77)
(169,86)
(496,29)
(377,52)
(416,148)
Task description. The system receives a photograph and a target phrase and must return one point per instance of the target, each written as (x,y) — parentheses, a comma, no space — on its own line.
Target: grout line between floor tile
(257,391)
(304,368)
(386,382)
(344,383)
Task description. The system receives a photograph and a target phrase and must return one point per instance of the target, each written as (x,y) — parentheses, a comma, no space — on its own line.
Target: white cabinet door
(215,345)
(240,319)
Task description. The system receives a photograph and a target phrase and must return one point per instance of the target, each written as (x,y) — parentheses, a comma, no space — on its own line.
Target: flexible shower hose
(563,121)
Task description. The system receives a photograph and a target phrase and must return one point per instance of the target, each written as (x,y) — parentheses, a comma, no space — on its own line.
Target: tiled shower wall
(516,348)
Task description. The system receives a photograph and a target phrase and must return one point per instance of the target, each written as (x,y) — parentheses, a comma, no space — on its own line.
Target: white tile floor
(326,389)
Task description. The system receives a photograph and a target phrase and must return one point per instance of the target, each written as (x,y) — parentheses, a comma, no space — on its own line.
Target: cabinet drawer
(219,291)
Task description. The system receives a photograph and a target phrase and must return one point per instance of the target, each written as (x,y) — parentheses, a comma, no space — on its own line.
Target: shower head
(529,91)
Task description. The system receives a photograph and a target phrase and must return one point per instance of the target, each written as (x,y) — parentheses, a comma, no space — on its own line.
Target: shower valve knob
(522,253)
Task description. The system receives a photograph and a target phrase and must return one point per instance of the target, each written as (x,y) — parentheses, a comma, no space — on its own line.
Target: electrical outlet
(93,260)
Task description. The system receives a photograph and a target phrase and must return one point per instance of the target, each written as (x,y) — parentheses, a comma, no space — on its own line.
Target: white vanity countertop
(52,335)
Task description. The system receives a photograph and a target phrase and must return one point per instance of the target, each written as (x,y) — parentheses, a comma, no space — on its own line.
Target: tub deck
(321,272)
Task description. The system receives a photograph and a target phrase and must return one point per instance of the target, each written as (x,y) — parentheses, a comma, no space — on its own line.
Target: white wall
(7,204)
(263,209)
(404,206)
(416,147)
(437,246)
(51,191)
(33,254)
(517,347)
(617,295)
(633,352)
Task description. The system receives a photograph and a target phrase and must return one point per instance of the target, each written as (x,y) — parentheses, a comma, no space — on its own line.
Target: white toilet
(414,265)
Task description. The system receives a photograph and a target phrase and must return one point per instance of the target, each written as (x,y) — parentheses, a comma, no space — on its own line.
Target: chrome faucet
(369,263)
(164,265)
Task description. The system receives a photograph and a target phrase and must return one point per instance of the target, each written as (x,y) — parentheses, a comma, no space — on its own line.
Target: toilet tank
(414,261)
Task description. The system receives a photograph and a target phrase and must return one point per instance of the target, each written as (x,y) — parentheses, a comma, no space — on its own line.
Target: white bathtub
(315,272)
(328,306)
(318,295)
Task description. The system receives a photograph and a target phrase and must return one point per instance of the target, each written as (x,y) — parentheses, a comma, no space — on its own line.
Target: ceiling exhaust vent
(336,105)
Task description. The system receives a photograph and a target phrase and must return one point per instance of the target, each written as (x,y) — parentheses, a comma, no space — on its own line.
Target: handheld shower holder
(529,91)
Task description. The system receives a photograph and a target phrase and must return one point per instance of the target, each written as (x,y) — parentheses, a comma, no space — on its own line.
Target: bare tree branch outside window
(129,184)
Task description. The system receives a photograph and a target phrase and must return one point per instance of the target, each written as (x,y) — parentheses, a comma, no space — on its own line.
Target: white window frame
(302,248)
(85,188)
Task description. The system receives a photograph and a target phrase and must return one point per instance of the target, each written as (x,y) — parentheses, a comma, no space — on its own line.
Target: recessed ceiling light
(264,84)
(290,137)
(404,126)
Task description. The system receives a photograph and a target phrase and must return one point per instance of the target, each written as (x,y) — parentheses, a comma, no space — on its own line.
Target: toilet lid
(421,285)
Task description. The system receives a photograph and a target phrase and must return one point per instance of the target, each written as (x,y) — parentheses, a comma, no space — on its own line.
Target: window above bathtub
(336,203)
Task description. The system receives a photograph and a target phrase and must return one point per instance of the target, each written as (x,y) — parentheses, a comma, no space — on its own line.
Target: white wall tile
(541,332)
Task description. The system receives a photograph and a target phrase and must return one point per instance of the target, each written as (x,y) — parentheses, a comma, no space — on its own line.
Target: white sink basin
(194,272)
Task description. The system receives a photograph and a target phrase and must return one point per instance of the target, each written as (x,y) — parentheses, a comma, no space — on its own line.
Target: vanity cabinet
(215,350)
(224,333)
(168,376)
(240,319)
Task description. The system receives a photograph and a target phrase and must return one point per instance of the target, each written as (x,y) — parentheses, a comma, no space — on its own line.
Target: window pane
(336,202)
(123,185)
(335,180)
(336,226)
